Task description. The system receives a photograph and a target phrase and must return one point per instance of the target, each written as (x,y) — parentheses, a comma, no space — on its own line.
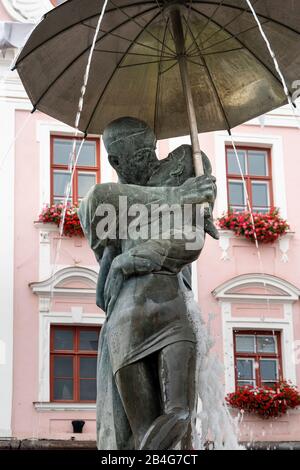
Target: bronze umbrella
(182,66)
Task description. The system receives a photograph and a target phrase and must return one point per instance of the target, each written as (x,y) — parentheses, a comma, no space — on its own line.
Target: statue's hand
(199,190)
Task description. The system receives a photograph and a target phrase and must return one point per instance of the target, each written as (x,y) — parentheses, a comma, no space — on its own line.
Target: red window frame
(257,356)
(79,169)
(76,353)
(250,178)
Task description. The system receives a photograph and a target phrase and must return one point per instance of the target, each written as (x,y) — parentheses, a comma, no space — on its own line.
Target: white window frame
(230,323)
(274,142)
(47,318)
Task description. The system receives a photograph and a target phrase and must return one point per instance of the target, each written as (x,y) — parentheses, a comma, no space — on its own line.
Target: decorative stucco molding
(54,285)
(284,246)
(273,289)
(31,10)
(224,243)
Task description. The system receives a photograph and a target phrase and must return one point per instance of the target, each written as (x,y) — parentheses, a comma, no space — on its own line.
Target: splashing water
(249,207)
(214,422)
(275,61)
(73,159)
(74,156)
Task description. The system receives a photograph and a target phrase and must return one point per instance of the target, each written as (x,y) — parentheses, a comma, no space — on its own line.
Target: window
(257,358)
(256,168)
(87,171)
(73,360)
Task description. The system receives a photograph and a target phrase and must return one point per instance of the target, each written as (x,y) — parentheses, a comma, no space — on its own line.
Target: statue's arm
(109,253)
(168,256)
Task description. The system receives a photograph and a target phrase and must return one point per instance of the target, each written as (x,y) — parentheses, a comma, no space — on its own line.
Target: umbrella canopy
(135,69)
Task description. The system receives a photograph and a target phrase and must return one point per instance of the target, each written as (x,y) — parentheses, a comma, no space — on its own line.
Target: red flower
(265,401)
(267,228)
(54,215)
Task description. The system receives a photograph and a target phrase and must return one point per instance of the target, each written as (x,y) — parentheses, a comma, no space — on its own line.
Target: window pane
(85,182)
(269,369)
(63,389)
(245,369)
(63,339)
(269,384)
(62,149)
(60,182)
(63,366)
(257,163)
(88,389)
(233,167)
(87,155)
(236,193)
(245,343)
(260,194)
(88,340)
(244,383)
(88,366)
(267,344)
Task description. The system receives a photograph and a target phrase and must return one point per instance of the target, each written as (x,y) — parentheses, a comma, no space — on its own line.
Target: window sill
(49,227)
(50,406)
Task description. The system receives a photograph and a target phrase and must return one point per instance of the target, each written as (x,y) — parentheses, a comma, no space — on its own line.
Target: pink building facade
(47,285)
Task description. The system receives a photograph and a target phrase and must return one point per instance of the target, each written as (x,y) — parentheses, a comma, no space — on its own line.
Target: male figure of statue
(147,349)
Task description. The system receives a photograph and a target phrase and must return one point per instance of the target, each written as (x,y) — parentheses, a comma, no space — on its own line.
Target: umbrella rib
(158,80)
(188,17)
(132,53)
(74,24)
(135,42)
(221,52)
(211,80)
(225,26)
(247,10)
(207,23)
(234,36)
(145,63)
(113,73)
(169,68)
(251,52)
(193,62)
(78,57)
(222,28)
(143,27)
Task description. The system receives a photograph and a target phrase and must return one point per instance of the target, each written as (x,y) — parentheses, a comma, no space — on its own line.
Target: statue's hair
(128,131)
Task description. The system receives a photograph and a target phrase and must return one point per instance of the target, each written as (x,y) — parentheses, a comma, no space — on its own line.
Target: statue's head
(130,144)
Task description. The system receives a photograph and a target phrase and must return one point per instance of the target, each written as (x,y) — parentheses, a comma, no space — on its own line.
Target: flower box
(54,214)
(260,227)
(265,402)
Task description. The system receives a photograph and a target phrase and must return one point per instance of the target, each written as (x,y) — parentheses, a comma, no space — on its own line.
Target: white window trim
(44,130)
(284,325)
(47,318)
(278,179)
(40,406)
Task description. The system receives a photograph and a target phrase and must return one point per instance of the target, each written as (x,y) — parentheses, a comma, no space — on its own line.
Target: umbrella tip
(33,110)
(229,132)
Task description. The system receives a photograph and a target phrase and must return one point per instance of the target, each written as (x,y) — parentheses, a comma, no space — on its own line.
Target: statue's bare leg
(138,386)
(160,420)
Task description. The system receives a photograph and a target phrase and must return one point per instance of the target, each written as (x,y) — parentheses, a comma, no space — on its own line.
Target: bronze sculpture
(141,287)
